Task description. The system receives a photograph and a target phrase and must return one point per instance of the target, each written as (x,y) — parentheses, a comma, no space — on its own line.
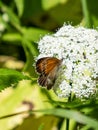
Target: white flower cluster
(78,47)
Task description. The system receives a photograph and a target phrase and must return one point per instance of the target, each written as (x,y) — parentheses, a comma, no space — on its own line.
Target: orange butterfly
(47,67)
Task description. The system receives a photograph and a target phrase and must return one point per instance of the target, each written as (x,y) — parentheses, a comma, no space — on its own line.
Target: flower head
(78,47)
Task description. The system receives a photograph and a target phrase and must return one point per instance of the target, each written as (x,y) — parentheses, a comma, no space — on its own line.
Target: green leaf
(31,46)
(11,102)
(72,114)
(90,10)
(41,127)
(71,12)
(30,59)
(75,104)
(20,6)
(41,123)
(9,77)
(11,37)
(13,19)
(47,4)
(32,8)
(34,34)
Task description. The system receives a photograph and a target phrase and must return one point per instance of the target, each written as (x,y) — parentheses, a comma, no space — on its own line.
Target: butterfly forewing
(39,65)
(46,65)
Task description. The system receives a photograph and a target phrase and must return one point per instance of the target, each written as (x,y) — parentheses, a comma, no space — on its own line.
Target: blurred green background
(22,24)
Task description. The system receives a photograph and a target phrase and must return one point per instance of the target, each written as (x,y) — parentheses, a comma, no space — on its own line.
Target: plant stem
(86,12)
(67,120)
(67,124)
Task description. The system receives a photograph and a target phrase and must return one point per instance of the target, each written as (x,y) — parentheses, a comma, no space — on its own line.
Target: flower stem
(67,120)
(67,124)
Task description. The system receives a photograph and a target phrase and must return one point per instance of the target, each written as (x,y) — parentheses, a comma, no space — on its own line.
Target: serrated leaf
(9,77)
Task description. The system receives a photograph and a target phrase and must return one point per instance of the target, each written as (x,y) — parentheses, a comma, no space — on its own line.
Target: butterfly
(47,67)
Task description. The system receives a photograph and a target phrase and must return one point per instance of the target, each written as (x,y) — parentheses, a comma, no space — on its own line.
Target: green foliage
(90,9)
(71,114)
(9,77)
(41,123)
(22,24)
(20,6)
